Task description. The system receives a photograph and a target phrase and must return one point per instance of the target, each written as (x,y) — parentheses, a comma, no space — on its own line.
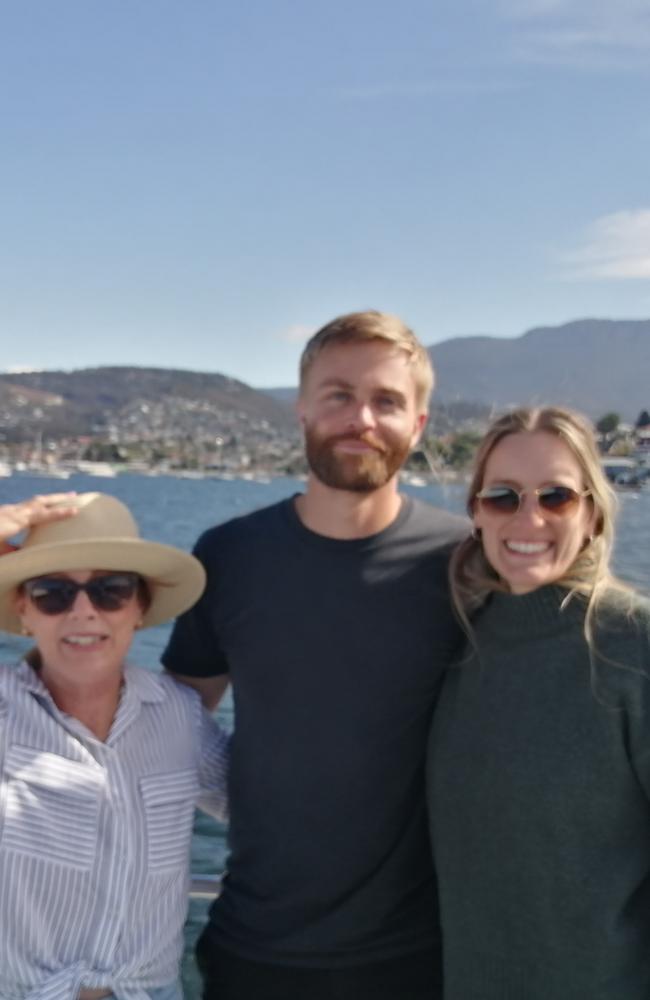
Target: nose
(83,606)
(362,416)
(529,509)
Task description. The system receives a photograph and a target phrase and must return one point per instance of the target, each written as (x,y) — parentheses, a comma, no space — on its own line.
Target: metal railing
(204,886)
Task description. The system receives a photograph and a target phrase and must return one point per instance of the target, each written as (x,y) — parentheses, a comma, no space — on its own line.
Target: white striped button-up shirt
(95,837)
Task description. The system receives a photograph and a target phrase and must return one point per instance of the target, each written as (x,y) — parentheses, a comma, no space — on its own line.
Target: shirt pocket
(169,802)
(51,808)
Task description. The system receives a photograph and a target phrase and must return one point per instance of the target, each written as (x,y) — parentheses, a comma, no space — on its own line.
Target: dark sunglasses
(53,595)
(560,500)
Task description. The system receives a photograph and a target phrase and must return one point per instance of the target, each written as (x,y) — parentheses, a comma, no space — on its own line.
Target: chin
(529,584)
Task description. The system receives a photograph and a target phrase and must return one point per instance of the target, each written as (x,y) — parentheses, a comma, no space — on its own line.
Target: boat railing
(204,886)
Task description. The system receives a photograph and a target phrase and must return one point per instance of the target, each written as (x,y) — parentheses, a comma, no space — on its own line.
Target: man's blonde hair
(373,325)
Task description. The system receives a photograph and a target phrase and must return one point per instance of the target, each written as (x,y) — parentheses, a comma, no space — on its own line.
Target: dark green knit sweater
(539,792)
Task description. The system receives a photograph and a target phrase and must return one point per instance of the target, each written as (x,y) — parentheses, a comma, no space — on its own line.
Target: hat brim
(176,578)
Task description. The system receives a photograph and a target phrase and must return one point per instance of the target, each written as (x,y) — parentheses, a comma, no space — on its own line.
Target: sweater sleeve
(634,652)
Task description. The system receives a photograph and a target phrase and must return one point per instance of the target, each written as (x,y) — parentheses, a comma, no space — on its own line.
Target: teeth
(528,548)
(82,640)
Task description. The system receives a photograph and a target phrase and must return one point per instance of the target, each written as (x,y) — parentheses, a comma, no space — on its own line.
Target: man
(329,613)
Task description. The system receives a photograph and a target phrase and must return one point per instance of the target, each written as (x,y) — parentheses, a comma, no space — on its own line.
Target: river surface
(176,511)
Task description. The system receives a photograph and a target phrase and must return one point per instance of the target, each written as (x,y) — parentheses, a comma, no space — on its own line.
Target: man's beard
(359,472)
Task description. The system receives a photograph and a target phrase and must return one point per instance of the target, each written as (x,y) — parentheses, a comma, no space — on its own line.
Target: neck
(345,514)
(94,704)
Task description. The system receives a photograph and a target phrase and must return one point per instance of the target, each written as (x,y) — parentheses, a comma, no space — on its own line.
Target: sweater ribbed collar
(542,611)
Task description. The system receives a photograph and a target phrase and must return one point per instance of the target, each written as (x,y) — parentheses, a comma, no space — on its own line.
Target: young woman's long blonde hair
(471,575)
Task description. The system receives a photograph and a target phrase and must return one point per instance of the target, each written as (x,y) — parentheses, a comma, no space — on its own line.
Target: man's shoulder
(440,527)
(245,527)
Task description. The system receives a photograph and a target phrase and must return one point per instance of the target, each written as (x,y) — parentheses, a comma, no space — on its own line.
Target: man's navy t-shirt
(336,650)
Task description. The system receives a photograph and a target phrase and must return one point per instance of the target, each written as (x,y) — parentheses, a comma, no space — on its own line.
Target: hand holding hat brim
(40,509)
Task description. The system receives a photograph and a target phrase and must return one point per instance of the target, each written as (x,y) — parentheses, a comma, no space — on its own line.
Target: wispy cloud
(583,33)
(615,247)
(298,333)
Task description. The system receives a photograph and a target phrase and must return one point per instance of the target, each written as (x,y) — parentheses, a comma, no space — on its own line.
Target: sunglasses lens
(55,595)
(558,499)
(499,500)
(110,593)
(51,596)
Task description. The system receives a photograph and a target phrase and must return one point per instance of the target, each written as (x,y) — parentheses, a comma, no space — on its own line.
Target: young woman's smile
(536,543)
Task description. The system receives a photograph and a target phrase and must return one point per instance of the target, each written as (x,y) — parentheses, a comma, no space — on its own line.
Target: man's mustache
(368,439)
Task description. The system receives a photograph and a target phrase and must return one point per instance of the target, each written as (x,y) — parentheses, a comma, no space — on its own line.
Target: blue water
(176,511)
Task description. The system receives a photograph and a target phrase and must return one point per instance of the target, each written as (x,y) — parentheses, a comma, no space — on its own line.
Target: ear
(592,527)
(420,424)
(19,602)
(299,409)
(477,517)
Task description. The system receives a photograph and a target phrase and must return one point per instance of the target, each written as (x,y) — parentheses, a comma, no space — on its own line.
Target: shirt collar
(143,684)
(140,687)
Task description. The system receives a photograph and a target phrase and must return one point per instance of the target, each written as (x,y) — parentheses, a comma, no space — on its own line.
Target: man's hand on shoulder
(211,689)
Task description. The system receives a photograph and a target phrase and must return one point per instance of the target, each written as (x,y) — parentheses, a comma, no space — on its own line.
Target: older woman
(101,763)
(539,770)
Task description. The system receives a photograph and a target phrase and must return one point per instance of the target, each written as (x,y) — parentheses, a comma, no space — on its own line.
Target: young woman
(101,763)
(539,763)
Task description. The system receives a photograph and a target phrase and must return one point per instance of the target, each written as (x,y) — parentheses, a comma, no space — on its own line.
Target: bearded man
(330,615)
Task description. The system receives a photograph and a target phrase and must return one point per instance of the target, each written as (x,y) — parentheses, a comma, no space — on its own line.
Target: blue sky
(201,184)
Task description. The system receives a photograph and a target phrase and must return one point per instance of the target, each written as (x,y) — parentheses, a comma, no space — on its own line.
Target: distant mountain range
(594,365)
(147,401)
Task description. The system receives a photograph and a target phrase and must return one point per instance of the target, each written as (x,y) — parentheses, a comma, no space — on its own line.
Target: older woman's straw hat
(101,535)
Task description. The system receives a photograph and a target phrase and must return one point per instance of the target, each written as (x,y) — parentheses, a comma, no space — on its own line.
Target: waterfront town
(156,421)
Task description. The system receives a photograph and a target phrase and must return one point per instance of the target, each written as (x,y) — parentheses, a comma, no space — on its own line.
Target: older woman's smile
(82,643)
(87,639)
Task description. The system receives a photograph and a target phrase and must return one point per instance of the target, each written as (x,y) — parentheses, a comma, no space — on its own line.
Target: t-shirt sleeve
(193,649)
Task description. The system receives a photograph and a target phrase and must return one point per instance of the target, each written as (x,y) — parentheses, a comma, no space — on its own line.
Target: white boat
(103,469)
(625,473)
(5,469)
(46,471)
(412,478)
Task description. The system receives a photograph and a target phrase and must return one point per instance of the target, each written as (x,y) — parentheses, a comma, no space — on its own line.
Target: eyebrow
(341,383)
(333,380)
